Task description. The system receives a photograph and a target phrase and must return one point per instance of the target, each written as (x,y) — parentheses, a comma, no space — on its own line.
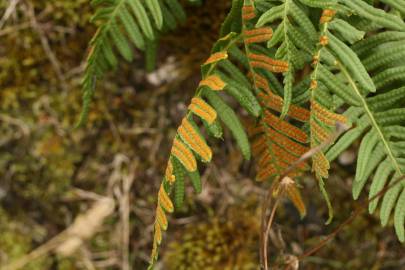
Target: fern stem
(372,118)
(312,90)
(247,49)
(287,100)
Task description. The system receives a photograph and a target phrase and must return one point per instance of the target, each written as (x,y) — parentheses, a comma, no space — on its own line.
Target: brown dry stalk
(9,11)
(267,232)
(46,46)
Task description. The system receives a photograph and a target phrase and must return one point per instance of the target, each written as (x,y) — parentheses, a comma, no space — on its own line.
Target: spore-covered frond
(222,73)
(122,26)
(299,80)
(277,143)
(322,87)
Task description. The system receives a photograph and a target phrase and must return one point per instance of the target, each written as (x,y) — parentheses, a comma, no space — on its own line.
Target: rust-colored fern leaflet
(277,143)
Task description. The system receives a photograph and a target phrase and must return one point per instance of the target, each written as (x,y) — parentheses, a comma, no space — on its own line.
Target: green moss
(16,241)
(228,243)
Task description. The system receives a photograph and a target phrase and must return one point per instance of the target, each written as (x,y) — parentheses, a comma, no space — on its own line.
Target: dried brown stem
(267,232)
(47,48)
(350,219)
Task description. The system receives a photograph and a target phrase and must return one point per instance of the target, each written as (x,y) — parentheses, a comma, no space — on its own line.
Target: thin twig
(266,235)
(10,10)
(265,206)
(14,28)
(47,48)
(350,219)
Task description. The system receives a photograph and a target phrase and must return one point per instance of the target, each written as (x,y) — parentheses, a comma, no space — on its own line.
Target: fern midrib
(314,76)
(285,29)
(112,17)
(107,23)
(318,55)
(372,119)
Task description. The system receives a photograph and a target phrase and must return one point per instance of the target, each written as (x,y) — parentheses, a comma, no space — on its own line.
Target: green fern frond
(379,119)
(122,25)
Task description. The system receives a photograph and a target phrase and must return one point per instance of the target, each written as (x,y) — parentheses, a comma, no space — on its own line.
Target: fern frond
(218,75)
(322,120)
(123,24)
(276,142)
(367,88)
(377,117)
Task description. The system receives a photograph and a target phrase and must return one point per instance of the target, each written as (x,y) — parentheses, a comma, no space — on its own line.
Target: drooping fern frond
(276,142)
(323,120)
(220,73)
(122,25)
(288,187)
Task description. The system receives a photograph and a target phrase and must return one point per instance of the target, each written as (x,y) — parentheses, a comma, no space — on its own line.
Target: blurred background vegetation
(50,173)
